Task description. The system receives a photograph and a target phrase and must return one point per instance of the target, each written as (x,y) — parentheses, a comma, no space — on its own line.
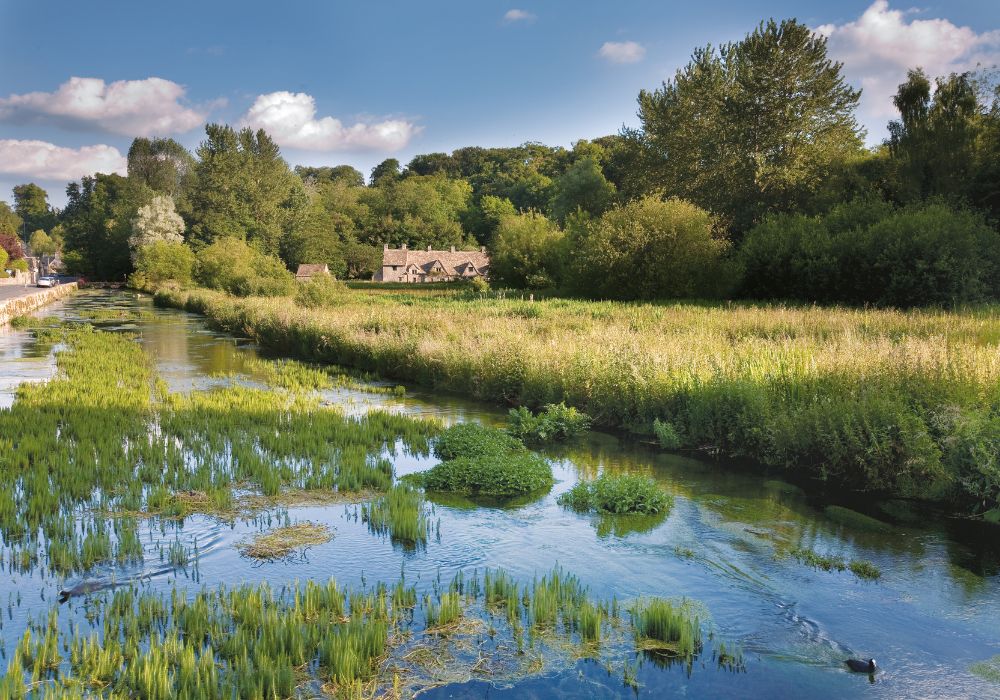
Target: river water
(934,612)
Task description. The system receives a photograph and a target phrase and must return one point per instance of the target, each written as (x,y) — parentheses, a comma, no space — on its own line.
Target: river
(934,611)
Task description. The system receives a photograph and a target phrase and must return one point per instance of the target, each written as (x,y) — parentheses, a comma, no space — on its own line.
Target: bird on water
(862,666)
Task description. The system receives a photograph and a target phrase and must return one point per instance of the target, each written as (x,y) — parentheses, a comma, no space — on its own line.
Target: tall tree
(344,174)
(31,203)
(41,243)
(582,188)
(384,173)
(161,164)
(156,221)
(245,189)
(10,222)
(753,127)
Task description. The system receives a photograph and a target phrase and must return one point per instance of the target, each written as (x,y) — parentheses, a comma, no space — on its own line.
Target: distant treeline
(748,176)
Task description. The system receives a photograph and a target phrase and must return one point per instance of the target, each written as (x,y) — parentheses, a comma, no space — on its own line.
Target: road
(14,291)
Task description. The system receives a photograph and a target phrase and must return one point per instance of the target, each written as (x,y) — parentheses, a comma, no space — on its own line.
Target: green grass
(400,513)
(862,569)
(877,399)
(618,494)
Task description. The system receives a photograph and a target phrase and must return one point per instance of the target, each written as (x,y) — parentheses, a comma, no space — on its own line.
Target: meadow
(899,402)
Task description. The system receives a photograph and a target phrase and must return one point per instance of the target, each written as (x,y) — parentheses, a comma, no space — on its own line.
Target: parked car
(47,281)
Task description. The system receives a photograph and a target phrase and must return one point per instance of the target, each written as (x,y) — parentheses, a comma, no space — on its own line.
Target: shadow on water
(934,611)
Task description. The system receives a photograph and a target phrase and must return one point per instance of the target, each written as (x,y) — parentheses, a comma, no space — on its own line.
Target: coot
(861,666)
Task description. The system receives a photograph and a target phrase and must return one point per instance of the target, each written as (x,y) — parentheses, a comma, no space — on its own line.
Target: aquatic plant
(400,513)
(556,422)
(667,435)
(860,568)
(500,476)
(865,569)
(666,627)
(474,440)
(987,670)
(618,494)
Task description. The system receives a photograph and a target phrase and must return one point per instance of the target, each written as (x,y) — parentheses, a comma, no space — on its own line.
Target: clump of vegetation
(618,494)
(232,266)
(162,261)
(554,423)
(502,475)
(280,542)
(865,569)
(400,513)
(987,670)
(474,440)
(667,628)
(667,435)
(320,291)
(860,568)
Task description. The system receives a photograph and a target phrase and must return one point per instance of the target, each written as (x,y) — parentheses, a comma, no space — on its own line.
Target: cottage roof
(453,262)
(310,269)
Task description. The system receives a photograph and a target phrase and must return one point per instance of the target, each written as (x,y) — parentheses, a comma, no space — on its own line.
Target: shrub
(617,494)
(666,435)
(526,251)
(3,262)
(231,265)
(19,265)
(320,291)
(474,440)
(648,249)
(555,422)
(479,285)
(161,261)
(500,475)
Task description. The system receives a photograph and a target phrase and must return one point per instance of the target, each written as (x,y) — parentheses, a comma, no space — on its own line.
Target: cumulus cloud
(290,119)
(516,15)
(149,107)
(622,51)
(878,48)
(46,161)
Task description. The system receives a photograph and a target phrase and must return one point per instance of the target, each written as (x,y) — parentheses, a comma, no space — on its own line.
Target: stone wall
(19,306)
(19,278)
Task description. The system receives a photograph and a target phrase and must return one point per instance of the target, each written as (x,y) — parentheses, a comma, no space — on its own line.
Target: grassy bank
(904,402)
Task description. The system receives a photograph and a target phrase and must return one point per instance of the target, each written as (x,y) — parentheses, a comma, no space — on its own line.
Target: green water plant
(505,475)
(618,494)
(400,513)
(554,423)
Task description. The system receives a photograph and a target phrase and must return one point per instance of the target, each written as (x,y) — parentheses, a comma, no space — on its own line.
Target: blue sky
(352,82)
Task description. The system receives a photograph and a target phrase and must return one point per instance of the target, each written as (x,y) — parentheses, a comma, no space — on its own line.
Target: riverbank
(31,298)
(904,403)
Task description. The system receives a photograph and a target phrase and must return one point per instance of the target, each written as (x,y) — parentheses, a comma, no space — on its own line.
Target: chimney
(385,246)
(453,249)
(404,247)
(483,249)
(428,249)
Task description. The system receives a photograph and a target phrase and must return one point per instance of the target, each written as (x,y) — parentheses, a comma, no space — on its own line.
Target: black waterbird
(861,666)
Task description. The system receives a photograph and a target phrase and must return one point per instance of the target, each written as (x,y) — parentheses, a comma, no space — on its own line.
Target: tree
(233,266)
(345,174)
(418,210)
(97,222)
(162,165)
(361,260)
(10,222)
(11,244)
(156,221)
(31,203)
(648,249)
(527,251)
(751,128)
(245,190)
(315,240)
(582,188)
(41,244)
(384,173)
(432,164)
(161,261)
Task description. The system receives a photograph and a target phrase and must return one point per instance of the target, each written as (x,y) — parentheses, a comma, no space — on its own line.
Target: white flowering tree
(157,221)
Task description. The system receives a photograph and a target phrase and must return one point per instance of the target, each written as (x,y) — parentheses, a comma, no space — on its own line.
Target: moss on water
(988,670)
(856,520)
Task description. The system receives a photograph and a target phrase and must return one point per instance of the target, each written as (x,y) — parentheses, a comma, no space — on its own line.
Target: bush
(231,265)
(555,422)
(526,251)
(19,265)
(648,249)
(474,440)
(499,475)
(320,291)
(667,435)
(617,494)
(868,252)
(161,261)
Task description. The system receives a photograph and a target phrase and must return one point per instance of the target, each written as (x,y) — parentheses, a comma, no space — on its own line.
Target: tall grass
(877,399)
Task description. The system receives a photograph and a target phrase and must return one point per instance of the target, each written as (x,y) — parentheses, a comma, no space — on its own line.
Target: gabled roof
(310,269)
(452,262)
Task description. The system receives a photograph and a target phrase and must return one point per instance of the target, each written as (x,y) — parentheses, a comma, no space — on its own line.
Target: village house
(306,271)
(404,265)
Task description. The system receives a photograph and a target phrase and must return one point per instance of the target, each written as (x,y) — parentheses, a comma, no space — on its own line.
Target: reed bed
(877,399)
(253,641)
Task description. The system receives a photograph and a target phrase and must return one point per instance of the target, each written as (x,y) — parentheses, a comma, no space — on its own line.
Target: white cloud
(290,119)
(148,107)
(622,51)
(879,47)
(516,15)
(46,161)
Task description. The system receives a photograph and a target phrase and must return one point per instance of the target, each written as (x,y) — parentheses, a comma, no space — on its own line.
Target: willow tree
(752,127)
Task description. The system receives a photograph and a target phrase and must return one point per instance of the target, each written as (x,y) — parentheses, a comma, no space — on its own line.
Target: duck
(860,666)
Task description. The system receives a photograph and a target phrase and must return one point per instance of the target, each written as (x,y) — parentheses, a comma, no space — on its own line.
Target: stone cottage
(306,271)
(404,265)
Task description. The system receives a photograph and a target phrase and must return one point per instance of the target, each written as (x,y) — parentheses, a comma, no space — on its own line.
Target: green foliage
(753,127)
(527,251)
(649,249)
(661,625)
(320,291)
(554,423)
(868,252)
(10,222)
(474,440)
(583,188)
(667,435)
(20,265)
(400,513)
(3,261)
(500,475)
(618,494)
(417,210)
(160,262)
(231,265)
(41,244)
(32,206)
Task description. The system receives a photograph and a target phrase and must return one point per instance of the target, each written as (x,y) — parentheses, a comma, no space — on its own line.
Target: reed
(401,513)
